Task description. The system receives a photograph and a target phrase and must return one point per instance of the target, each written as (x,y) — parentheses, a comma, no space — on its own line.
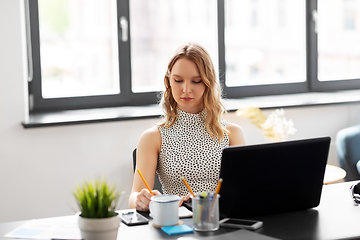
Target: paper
(50,228)
(184,212)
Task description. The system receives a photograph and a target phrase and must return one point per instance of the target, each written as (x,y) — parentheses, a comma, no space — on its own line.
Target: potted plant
(97,202)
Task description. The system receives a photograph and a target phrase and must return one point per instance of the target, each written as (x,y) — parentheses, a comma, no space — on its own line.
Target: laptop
(272,178)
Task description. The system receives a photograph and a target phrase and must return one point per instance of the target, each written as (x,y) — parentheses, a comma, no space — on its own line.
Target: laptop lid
(272,178)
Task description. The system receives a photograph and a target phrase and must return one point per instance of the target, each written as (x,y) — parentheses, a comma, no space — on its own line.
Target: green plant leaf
(96,199)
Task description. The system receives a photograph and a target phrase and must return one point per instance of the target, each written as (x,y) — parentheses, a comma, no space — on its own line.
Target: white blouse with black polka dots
(188,150)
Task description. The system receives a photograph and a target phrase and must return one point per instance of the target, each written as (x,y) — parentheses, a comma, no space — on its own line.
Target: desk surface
(337,217)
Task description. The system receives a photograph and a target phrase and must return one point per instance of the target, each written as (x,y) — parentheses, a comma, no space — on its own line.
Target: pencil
(214,200)
(218,187)
(187,185)
(147,185)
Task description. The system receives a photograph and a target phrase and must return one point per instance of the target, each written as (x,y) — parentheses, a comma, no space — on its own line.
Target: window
(262,38)
(339,51)
(103,53)
(158,27)
(76,60)
(78,52)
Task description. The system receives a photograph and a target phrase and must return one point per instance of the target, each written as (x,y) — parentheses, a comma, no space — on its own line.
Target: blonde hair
(212,94)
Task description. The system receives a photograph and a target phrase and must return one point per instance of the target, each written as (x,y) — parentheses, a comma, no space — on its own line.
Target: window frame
(250,91)
(314,84)
(125,98)
(128,98)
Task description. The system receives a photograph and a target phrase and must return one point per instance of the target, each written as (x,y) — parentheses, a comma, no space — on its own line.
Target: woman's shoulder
(236,134)
(151,133)
(150,138)
(232,126)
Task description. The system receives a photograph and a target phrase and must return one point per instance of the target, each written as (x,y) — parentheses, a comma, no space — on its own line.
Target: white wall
(39,167)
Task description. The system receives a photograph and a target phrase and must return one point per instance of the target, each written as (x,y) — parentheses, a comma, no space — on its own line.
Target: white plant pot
(99,228)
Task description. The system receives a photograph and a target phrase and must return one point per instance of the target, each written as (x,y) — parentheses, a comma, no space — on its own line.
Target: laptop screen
(272,178)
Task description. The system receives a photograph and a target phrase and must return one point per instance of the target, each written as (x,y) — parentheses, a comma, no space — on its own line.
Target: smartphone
(132,218)
(240,223)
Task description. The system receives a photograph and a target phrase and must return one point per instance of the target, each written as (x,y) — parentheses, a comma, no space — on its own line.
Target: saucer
(179,223)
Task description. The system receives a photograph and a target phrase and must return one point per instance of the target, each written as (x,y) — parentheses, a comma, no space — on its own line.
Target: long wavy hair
(212,94)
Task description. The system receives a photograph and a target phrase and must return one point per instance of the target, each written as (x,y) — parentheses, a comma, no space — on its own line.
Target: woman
(190,140)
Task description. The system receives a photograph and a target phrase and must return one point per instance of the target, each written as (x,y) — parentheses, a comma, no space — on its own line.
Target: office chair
(157,184)
(348,150)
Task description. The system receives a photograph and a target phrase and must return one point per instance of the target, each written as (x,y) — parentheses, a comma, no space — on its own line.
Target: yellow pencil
(214,200)
(218,187)
(147,185)
(187,185)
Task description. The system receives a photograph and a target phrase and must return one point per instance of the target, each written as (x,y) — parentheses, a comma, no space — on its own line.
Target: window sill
(154,111)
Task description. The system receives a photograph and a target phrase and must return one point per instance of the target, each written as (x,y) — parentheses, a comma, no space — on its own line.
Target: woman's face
(187,86)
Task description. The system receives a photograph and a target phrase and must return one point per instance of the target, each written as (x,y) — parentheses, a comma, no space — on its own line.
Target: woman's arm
(236,135)
(146,160)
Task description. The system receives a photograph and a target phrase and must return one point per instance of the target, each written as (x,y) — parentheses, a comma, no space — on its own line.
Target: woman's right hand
(143,199)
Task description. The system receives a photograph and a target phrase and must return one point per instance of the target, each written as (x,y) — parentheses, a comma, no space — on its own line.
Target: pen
(187,185)
(204,205)
(147,185)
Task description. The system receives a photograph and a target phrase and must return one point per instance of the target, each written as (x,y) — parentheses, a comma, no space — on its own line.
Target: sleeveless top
(189,151)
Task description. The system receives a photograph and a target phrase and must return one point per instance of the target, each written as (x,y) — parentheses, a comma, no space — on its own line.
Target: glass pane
(338,40)
(159,27)
(79,49)
(265,42)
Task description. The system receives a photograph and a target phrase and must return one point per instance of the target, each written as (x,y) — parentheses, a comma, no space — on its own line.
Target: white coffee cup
(164,210)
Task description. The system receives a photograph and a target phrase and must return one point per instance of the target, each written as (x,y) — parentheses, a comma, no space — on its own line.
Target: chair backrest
(348,150)
(157,184)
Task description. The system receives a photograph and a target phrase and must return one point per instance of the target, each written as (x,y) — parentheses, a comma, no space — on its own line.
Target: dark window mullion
(311,42)
(221,43)
(35,84)
(124,50)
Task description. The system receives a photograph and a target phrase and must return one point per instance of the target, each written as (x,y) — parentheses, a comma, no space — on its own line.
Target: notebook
(177,229)
(272,178)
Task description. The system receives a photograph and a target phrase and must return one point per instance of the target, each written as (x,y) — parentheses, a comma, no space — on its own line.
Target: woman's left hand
(184,199)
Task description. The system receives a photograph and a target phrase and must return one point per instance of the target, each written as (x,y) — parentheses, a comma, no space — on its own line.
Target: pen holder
(205,212)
